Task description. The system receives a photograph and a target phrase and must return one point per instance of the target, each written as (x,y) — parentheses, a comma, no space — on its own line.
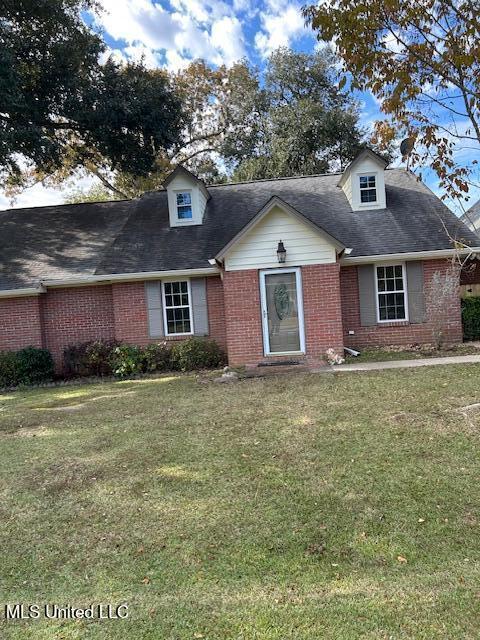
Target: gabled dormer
(187,198)
(363,181)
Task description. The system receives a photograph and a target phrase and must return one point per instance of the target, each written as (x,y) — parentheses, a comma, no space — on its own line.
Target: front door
(282,312)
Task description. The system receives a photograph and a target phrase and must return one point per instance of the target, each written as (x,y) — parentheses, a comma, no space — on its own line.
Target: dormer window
(184,205)
(368,189)
(363,182)
(187,198)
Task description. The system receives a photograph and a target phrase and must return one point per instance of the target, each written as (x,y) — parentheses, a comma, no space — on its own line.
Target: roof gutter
(412,255)
(21,293)
(110,278)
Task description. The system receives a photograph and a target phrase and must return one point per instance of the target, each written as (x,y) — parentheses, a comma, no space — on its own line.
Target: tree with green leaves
(61,109)
(245,125)
(422,61)
(306,124)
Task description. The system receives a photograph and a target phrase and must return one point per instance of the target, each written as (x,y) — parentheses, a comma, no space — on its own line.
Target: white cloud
(176,62)
(227,36)
(139,21)
(281,24)
(115,54)
(205,29)
(138,52)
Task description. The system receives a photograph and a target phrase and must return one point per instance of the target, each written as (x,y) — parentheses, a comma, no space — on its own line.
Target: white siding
(347,189)
(351,187)
(258,249)
(182,183)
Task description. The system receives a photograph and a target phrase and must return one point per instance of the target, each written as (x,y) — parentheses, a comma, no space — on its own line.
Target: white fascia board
(110,278)
(21,293)
(414,255)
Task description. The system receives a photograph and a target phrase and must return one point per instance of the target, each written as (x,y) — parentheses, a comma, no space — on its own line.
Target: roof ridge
(66,204)
(306,175)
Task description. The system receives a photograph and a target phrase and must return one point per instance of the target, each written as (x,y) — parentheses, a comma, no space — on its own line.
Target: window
(391,293)
(184,205)
(177,308)
(368,189)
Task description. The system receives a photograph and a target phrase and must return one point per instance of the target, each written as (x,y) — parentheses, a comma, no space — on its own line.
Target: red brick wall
(75,315)
(243,317)
(130,313)
(67,316)
(395,333)
(20,323)
(216,311)
(322,313)
(322,309)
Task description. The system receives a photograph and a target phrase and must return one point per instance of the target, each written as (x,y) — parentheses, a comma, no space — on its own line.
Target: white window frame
(263,303)
(184,220)
(404,291)
(164,306)
(371,174)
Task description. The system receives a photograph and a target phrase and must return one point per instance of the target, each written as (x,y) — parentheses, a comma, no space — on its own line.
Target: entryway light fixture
(281,252)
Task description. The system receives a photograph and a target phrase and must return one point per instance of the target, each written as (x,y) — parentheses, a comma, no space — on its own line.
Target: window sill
(394,323)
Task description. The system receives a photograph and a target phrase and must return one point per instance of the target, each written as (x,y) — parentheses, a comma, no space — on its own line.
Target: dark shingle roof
(133,236)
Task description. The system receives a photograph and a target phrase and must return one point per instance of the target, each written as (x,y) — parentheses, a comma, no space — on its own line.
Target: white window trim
(184,220)
(405,292)
(366,175)
(263,302)
(164,307)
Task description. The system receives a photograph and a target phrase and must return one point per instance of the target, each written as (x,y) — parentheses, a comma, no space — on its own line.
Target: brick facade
(20,323)
(321,309)
(130,313)
(331,309)
(243,317)
(75,315)
(68,316)
(395,333)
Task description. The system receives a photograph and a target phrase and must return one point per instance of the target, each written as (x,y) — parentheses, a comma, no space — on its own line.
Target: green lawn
(307,506)
(383,355)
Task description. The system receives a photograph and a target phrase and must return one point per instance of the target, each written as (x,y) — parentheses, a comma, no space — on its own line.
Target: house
(472,217)
(270,269)
(470,277)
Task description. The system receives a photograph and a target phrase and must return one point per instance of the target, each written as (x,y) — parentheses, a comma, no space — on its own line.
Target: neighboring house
(472,218)
(271,269)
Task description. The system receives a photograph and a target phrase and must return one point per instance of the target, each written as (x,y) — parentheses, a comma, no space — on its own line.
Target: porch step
(267,368)
(281,363)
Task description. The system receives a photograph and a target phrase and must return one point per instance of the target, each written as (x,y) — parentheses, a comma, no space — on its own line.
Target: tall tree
(307,125)
(219,108)
(422,61)
(61,109)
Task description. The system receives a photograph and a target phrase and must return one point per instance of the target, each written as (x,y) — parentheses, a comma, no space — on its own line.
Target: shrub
(127,360)
(35,365)
(471,318)
(157,357)
(89,358)
(196,353)
(9,371)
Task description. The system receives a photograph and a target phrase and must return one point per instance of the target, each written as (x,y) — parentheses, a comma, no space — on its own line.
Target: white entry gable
(363,181)
(187,198)
(255,247)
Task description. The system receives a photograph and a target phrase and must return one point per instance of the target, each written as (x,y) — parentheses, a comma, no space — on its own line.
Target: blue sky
(170,33)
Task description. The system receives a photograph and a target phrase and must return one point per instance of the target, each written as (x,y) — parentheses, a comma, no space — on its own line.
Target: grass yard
(309,506)
(384,355)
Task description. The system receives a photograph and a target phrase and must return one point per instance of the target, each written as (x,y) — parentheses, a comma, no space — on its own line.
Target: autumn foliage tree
(241,123)
(422,61)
